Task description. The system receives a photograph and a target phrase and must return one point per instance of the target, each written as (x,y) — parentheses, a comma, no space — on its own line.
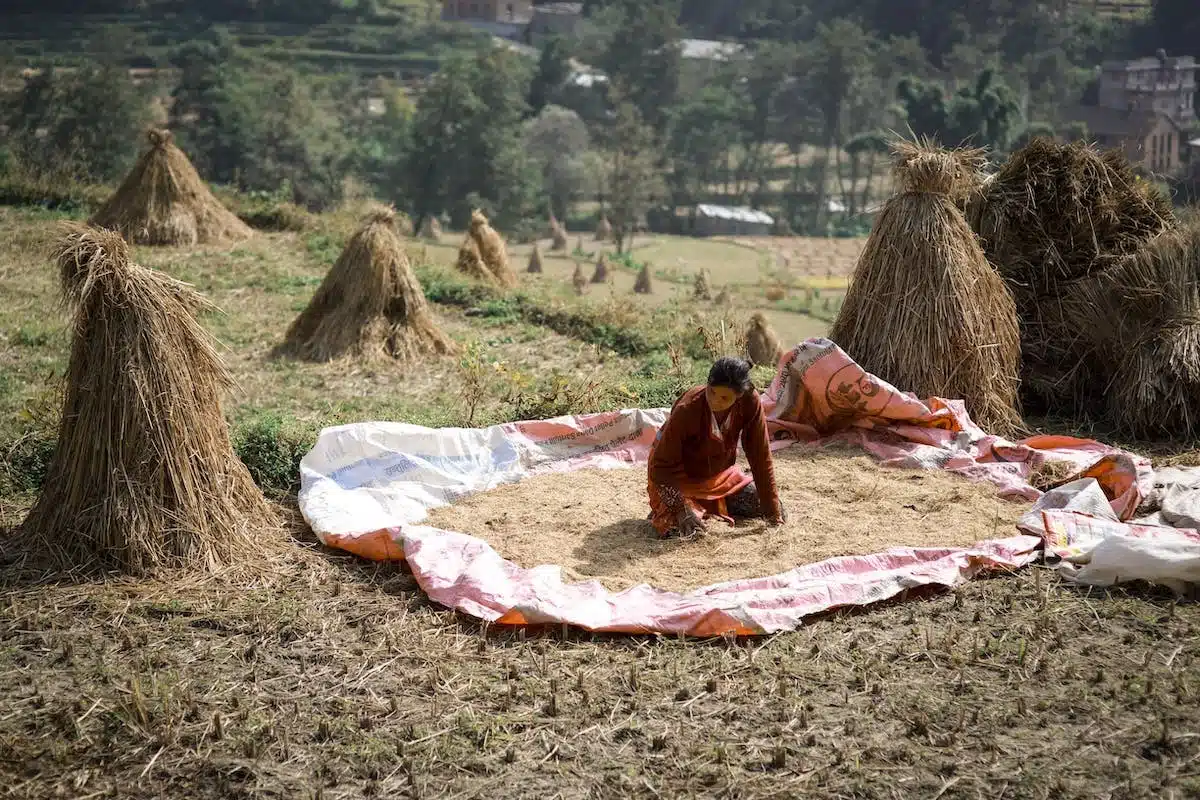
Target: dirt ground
(593,523)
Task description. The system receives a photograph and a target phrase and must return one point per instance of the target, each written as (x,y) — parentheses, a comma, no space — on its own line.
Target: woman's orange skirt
(706,498)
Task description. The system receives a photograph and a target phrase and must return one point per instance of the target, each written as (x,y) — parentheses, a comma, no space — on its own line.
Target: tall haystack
(370,305)
(470,262)
(925,311)
(535,260)
(143,477)
(163,201)
(431,229)
(643,284)
(702,287)
(604,231)
(492,250)
(558,236)
(579,280)
(1142,320)
(601,273)
(723,298)
(1053,215)
(762,344)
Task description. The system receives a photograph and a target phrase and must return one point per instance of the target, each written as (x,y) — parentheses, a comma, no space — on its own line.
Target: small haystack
(163,201)
(579,280)
(431,229)
(601,273)
(470,262)
(1055,214)
(643,284)
(604,231)
(762,345)
(370,305)
(143,477)
(702,287)
(925,311)
(492,250)
(723,298)
(1142,319)
(558,236)
(535,260)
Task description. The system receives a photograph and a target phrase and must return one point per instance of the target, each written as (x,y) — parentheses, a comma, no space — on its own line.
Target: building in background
(1146,109)
(554,19)
(1116,9)
(712,220)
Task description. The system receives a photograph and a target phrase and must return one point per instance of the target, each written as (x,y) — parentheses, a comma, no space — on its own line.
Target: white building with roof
(714,220)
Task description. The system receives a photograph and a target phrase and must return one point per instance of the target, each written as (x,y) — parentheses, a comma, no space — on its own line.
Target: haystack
(702,288)
(163,201)
(1058,213)
(643,285)
(925,311)
(600,275)
(604,229)
(723,298)
(535,260)
(470,262)
(579,280)
(370,305)
(492,250)
(1142,318)
(558,235)
(762,345)
(143,477)
(431,229)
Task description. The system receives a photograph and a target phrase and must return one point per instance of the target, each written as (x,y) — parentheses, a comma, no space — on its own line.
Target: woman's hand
(690,526)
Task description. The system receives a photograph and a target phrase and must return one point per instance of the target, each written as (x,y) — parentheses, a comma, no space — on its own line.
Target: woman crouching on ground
(693,473)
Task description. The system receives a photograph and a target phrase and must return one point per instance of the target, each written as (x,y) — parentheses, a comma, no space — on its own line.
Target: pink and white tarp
(367,488)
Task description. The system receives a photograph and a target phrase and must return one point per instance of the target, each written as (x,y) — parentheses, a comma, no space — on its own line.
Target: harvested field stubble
(336,678)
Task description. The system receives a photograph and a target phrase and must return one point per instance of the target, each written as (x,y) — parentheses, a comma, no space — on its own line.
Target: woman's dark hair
(732,373)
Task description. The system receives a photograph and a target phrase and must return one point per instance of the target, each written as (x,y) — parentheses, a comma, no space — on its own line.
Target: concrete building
(554,19)
(712,220)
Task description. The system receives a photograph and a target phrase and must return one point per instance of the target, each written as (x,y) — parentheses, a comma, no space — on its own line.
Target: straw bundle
(723,298)
(1143,321)
(491,250)
(643,285)
(163,201)
(535,260)
(701,288)
(601,273)
(1053,215)
(762,345)
(470,262)
(558,235)
(604,229)
(925,311)
(579,280)
(370,305)
(431,229)
(143,477)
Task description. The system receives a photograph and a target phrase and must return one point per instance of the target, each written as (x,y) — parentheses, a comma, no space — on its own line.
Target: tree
(643,54)
(553,70)
(701,132)
(984,113)
(634,179)
(467,147)
(558,142)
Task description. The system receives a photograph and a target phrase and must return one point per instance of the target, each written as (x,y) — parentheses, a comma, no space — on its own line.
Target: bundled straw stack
(558,235)
(762,345)
(925,311)
(604,229)
(579,280)
(701,286)
(431,229)
(491,249)
(163,201)
(370,305)
(600,275)
(143,477)
(1142,320)
(1054,216)
(643,284)
(535,260)
(470,262)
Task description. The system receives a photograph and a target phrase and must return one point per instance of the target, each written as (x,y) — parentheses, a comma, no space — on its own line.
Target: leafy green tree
(634,180)
(559,143)
(467,147)
(984,113)
(701,132)
(643,54)
(552,72)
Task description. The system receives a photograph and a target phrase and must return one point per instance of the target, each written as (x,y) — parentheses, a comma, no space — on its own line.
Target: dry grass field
(317,675)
